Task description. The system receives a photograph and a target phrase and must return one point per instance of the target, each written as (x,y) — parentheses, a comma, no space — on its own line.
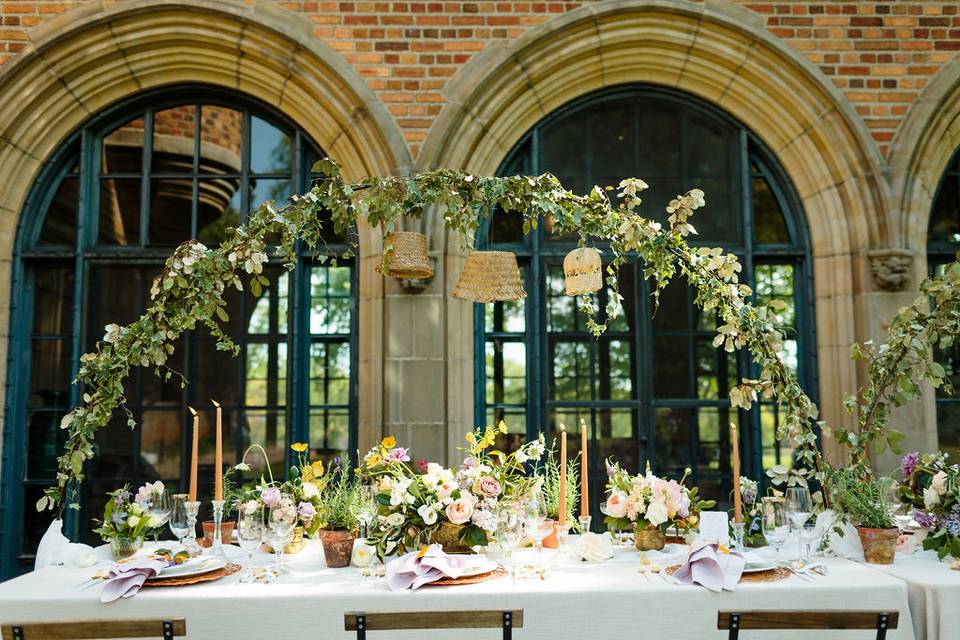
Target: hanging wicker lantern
(408,255)
(490,276)
(583,271)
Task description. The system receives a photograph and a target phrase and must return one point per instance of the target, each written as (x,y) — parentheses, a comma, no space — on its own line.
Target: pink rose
(617,505)
(445,490)
(488,487)
(399,454)
(270,496)
(459,511)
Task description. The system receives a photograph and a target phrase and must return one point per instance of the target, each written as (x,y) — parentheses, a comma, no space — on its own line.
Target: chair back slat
(95,629)
(878,621)
(420,620)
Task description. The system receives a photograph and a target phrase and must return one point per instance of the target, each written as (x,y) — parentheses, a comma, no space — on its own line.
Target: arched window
(110,206)
(943,242)
(652,388)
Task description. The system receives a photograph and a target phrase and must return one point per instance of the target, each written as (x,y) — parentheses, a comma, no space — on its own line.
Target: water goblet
(158,507)
(799,505)
(250,533)
(774,523)
(178,521)
(617,534)
(282,520)
(366,510)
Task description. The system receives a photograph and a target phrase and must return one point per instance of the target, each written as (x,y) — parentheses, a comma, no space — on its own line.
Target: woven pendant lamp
(583,271)
(408,255)
(490,276)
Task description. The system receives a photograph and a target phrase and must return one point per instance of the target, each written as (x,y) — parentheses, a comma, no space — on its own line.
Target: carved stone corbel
(891,268)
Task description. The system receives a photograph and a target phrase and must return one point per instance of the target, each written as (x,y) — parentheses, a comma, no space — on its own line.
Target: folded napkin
(711,568)
(417,568)
(126,579)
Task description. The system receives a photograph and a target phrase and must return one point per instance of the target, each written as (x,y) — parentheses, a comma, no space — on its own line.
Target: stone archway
(723,54)
(87,59)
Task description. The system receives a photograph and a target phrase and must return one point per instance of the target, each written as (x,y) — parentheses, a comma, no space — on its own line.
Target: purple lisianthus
(306,510)
(924,519)
(909,462)
(270,496)
(399,454)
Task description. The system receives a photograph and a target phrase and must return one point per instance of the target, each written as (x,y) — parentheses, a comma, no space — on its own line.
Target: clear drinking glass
(367,508)
(774,522)
(158,507)
(535,521)
(250,534)
(799,505)
(282,520)
(617,534)
(896,508)
(179,525)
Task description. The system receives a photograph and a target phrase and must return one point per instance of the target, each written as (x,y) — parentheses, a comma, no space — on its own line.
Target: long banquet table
(579,600)
(934,593)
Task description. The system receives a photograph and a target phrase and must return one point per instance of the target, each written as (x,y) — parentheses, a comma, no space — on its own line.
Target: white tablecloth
(579,600)
(934,592)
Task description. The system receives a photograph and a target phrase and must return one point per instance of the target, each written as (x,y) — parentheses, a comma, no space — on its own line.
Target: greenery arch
(191,287)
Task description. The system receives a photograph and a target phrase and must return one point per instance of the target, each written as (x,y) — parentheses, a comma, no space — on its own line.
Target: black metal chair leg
(507,625)
(882,622)
(734,626)
(361,627)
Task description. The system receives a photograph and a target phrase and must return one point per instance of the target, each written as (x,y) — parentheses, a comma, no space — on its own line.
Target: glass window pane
(506,227)
(160,438)
(570,371)
(617,431)
(50,373)
(122,150)
(671,366)
(115,450)
(45,440)
(268,428)
(330,432)
(218,209)
(221,139)
(612,149)
(506,372)
(769,225)
(505,317)
(563,145)
(516,421)
(673,429)
(945,218)
(120,211)
(174,139)
(53,302)
(329,374)
(171,210)
(163,391)
(330,300)
(215,374)
(270,148)
(948,421)
(263,189)
(616,369)
(60,222)
(257,374)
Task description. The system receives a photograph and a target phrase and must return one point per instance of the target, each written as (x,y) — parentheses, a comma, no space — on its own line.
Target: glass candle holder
(216,548)
(190,540)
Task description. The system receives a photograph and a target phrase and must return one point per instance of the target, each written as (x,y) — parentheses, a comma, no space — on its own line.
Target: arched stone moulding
(89,58)
(723,54)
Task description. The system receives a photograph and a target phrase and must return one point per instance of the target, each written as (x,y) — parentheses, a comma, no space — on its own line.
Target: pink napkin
(127,578)
(711,568)
(410,571)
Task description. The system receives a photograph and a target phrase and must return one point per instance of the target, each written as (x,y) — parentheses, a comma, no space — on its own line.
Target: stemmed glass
(509,534)
(895,507)
(179,525)
(616,533)
(366,511)
(535,522)
(799,505)
(250,533)
(282,520)
(773,521)
(158,507)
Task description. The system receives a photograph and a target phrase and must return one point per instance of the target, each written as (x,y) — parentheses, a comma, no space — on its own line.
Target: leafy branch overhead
(190,290)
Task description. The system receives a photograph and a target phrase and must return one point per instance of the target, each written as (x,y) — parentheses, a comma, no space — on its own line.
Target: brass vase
(448,537)
(649,538)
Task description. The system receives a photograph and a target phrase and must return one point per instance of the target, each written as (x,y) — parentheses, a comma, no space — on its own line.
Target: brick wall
(879,53)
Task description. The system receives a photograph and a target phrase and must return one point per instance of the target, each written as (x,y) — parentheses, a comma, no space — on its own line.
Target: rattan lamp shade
(583,271)
(408,255)
(490,276)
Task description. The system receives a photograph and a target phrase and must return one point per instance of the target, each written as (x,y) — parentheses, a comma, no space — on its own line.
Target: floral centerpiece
(125,519)
(457,508)
(651,505)
(930,489)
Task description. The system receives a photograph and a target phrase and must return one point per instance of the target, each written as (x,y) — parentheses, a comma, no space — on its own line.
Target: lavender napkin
(417,568)
(711,568)
(127,578)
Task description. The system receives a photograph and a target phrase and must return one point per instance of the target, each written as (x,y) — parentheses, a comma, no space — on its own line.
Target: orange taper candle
(195,453)
(584,471)
(735,450)
(562,515)
(218,456)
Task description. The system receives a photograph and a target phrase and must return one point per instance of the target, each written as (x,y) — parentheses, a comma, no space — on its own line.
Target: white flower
(310,490)
(362,555)
(939,483)
(930,498)
(521,456)
(133,521)
(485,519)
(395,519)
(536,449)
(399,494)
(428,513)
(111,333)
(656,513)
(616,505)
(594,547)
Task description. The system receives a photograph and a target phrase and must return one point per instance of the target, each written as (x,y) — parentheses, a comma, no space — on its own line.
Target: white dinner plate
(759,565)
(194,567)
(478,567)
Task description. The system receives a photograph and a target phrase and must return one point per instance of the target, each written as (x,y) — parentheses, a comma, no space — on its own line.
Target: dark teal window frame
(29,255)
(534,254)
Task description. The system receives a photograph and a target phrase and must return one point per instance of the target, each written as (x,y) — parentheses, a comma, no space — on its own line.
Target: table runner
(579,600)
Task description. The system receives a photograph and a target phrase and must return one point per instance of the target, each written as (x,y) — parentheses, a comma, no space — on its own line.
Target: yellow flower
(317,468)
(389,442)
(502,426)
(374,460)
(299,447)
(472,439)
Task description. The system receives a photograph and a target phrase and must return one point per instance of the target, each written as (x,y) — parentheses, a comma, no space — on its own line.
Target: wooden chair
(879,621)
(422,620)
(95,629)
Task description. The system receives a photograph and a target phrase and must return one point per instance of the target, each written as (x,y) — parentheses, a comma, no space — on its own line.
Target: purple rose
(306,510)
(924,519)
(909,463)
(270,496)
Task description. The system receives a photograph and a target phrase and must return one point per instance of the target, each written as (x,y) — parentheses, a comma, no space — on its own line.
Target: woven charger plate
(499,572)
(770,575)
(228,570)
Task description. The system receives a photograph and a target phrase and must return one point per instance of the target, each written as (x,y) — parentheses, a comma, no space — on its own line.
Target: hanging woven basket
(583,271)
(490,276)
(407,251)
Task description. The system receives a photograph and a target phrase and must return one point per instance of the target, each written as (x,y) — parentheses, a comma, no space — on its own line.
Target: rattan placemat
(499,572)
(770,575)
(228,570)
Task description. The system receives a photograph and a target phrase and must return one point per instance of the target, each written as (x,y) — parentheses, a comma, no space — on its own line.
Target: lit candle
(218,456)
(735,448)
(584,471)
(562,515)
(195,453)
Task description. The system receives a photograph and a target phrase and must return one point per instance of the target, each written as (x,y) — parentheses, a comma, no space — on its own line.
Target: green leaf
(222,314)
(255,287)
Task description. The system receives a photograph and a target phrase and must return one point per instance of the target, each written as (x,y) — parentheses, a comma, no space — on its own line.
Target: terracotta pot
(879,545)
(649,538)
(337,547)
(226,533)
(448,537)
(551,541)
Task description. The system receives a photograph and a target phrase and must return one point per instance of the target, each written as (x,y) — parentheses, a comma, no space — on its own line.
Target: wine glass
(366,511)
(799,505)
(179,524)
(250,533)
(282,520)
(773,521)
(535,521)
(896,509)
(617,534)
(158,507)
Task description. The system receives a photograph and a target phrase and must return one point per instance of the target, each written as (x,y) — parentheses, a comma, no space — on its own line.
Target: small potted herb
(860,496)
(550,488)
(337,508)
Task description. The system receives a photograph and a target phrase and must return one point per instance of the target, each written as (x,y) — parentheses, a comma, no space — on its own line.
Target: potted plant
(859,495)
(336,516)
(125,523)
(550,488)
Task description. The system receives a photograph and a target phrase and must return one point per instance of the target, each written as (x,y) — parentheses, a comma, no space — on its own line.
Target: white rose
(362,555)
(939,483)
(428,513)
(310,490)
(656,513)
(395,519)
(930,498)
(595,547)
(133,521)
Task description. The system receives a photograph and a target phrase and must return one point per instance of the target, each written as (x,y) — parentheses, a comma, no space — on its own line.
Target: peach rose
(617,505)
(459,511)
